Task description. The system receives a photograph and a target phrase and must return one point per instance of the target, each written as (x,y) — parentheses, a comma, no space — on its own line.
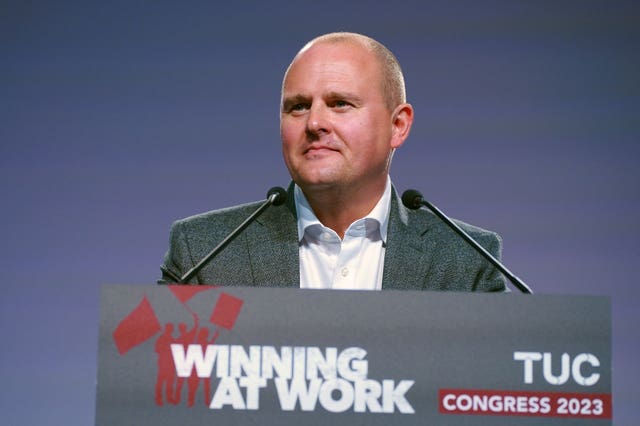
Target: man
(343,114)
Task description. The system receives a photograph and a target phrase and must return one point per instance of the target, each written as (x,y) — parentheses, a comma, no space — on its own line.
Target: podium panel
(195,355)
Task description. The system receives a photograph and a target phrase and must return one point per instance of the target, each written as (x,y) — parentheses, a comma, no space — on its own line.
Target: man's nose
(318,119)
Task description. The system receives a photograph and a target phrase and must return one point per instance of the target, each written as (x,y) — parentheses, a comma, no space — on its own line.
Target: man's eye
(297,107)
(341,104)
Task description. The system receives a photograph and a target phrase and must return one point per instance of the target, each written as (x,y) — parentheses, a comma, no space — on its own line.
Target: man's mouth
(319,149)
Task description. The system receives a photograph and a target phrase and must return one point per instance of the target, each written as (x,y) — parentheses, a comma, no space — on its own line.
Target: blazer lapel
(407,261)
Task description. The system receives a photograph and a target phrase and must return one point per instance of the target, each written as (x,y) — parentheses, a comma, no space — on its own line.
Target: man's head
(343,112)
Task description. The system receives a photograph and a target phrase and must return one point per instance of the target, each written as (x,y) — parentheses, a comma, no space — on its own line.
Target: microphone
(413,200)
(276,196)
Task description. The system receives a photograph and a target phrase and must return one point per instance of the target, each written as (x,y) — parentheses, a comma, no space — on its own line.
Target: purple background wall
(119,118)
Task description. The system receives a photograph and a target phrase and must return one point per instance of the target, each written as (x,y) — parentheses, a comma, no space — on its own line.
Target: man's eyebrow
(347,96)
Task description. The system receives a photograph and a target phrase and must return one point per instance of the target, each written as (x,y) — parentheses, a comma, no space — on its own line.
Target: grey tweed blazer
(422,253)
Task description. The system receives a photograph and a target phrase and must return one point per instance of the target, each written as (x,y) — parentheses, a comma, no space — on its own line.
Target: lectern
(206,355)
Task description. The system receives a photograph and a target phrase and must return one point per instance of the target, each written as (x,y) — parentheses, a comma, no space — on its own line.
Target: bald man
(343,115)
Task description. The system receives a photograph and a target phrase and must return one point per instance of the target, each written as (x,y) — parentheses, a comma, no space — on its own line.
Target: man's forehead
(331,84)
(345,69)
(332,49)
(331,61)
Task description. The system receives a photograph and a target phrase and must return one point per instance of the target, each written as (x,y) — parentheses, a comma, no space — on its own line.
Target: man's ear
(402,119)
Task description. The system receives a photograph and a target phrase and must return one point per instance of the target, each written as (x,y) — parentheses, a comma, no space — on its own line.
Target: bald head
(392,80)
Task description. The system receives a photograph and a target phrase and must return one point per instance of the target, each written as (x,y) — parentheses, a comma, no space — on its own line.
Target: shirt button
(344,272)
(326,236)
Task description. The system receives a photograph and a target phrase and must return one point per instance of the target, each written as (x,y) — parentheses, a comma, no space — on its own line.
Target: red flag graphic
(140,325)
(226,311)
(185,292)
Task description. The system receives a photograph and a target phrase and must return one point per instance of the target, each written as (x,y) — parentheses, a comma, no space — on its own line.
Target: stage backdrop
(120,117)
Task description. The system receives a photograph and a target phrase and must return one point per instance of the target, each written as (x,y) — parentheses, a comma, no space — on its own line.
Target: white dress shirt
(354,263)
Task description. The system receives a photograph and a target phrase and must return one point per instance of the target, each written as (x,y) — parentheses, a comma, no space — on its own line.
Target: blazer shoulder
(428,223)
(477,232)
(221,220)
(248,259)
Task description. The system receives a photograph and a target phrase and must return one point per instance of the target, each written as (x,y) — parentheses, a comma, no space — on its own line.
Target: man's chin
(317,184)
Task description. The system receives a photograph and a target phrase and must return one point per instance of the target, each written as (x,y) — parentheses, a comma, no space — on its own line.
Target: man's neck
(337,208)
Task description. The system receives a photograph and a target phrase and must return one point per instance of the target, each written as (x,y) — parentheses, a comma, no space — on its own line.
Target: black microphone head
(279,195)
(412,199)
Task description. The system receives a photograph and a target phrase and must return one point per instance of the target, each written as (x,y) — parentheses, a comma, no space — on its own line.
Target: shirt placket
(346,270)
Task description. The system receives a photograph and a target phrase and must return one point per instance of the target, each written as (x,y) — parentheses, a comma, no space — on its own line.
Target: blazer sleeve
(490,279)
(177,259)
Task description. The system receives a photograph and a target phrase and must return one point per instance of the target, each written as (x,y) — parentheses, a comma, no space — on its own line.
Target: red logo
(142,324)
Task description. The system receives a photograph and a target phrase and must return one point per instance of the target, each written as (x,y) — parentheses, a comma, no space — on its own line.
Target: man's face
(335,127)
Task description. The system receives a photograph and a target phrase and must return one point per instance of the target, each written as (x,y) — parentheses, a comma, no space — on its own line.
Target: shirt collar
(307,218)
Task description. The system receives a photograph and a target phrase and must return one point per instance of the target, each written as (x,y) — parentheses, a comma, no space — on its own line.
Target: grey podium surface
(196,355)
